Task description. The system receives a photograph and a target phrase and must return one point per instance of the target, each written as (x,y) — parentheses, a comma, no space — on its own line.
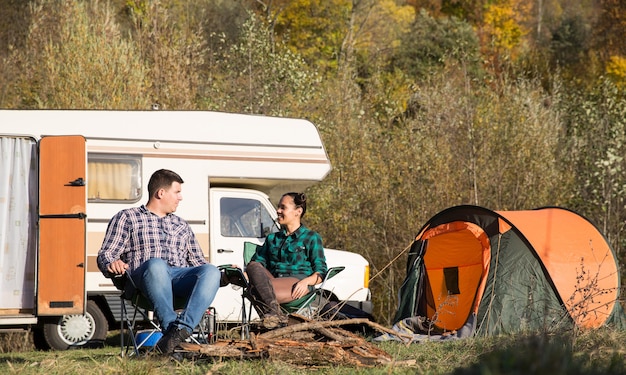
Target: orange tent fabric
(578,258)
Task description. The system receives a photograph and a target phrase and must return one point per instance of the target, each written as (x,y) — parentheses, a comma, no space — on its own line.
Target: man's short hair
(162,179)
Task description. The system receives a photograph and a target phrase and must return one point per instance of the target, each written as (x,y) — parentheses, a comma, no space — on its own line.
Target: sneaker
(273,321)
(171,339)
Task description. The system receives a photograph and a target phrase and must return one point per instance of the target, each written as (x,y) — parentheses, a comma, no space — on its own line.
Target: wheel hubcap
(75,329)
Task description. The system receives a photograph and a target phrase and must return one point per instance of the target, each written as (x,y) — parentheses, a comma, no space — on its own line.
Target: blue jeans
(161,283)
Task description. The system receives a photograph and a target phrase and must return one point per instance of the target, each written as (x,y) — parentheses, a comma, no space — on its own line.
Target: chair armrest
(234,275)
(119,281)
(333,271)
(125,283)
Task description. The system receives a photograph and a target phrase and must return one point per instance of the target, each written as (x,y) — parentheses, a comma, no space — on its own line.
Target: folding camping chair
(305,305)
(146,339)
(237,277)
(301,306)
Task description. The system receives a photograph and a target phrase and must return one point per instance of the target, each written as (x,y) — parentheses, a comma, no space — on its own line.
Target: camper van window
(241,217)
(114,178)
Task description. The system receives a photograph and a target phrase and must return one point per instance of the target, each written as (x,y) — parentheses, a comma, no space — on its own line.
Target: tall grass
(597,352)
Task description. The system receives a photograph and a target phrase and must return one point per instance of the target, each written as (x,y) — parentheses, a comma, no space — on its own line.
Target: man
(163,257)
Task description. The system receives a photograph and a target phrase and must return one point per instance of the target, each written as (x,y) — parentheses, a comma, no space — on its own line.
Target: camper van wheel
(77,330)
(39,339)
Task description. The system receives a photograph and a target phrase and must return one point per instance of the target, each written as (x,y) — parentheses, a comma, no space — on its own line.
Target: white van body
(235,168)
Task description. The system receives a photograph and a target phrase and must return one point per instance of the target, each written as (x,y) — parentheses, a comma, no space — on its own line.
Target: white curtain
(18,215)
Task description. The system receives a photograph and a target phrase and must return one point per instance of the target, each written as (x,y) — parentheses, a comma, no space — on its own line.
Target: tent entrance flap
(456,262)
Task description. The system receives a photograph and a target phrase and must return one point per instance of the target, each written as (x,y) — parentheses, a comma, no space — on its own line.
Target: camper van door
(62,226)
(236,216)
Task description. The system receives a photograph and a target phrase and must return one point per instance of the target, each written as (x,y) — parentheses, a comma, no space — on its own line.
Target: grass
(597,352)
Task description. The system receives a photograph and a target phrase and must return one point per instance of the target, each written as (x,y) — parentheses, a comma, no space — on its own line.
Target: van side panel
(62,226)
(18,219)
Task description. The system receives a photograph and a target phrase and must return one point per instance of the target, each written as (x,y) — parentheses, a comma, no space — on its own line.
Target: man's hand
(117,267)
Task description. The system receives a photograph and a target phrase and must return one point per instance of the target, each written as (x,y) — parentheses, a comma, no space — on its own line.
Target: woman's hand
(300,289)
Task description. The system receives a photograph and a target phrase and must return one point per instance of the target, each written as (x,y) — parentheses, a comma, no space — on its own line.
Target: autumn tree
(432,42)
(314,29)
(173,51)
(596,123)
(609,31)
(70,50)
(258,76)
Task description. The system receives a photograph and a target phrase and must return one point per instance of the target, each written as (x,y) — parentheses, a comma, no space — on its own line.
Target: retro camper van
(65,173)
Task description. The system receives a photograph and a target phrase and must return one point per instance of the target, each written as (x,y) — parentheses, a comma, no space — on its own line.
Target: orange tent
(506,271)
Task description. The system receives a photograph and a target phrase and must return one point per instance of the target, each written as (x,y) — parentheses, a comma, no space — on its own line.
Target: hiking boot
(273,321)
(171,339)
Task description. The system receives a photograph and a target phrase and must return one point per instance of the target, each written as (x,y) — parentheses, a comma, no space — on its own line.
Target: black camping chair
(143,312)
(237,277)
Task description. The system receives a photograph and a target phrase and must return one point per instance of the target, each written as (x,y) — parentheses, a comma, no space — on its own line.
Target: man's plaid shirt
(135,235)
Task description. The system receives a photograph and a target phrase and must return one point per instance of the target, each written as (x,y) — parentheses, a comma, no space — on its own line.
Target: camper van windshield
(241,217)
(114,178)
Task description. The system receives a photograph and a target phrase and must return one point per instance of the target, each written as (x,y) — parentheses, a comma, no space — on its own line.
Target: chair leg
(205,331)
(122,323)
(245,319)
(131,332)
(127,324)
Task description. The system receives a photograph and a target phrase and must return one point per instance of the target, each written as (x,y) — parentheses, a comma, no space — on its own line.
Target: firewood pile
(302,343)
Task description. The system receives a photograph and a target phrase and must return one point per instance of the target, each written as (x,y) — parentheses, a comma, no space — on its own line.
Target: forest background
(422,104)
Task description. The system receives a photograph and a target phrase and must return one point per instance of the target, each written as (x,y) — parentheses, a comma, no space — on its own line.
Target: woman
(289,263)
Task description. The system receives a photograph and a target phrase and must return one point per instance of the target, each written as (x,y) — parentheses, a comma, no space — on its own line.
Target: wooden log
(228,349)
(312,325)
(315,325)
(326,353)
(310,343)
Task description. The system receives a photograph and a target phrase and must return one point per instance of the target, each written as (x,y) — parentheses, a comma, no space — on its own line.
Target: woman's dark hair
(162,179)
(299,199)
